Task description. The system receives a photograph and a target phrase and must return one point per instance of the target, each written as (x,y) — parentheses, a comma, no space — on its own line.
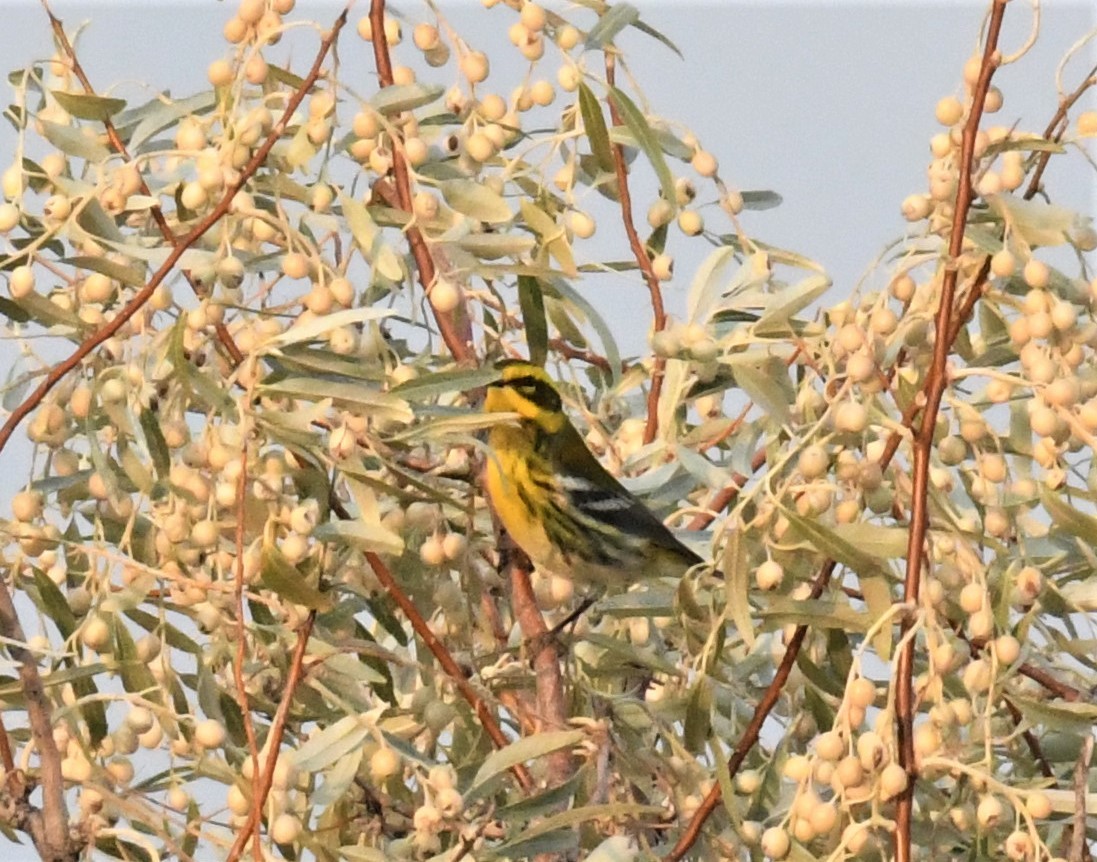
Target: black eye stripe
(535,389)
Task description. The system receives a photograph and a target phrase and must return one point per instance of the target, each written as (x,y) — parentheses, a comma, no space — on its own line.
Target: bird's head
(526,389)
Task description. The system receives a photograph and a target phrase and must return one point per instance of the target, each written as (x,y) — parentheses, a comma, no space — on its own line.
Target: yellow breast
(507,475)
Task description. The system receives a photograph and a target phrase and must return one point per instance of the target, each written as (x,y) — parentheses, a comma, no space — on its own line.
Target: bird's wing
(602,498)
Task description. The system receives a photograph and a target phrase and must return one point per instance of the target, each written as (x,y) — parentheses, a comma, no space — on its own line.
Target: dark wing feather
(598,494)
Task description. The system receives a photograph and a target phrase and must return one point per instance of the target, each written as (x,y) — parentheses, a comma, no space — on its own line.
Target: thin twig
(1081,809)
(1055,130)
(241,638)
(61,369)
(274,738)
(643,260)
(116,142)
(750,736)
(48,828)
(454,326)
(922,447)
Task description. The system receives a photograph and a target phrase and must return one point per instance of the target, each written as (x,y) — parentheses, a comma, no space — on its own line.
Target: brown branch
(49,827)
(1030,739)
(449,665)
(119,147)
(455,328)
(1055,130)
(241,639)
(58,372)
(643,260)
(274,737)
(750,736)
(1078,849)
(551,709)
(936,381)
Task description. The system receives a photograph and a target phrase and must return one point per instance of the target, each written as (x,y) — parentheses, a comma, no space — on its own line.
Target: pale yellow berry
(1036,273)
(479,146)
(567,37)
(219,73)
(1087,123)
(1007,649)
(96,633)
(533,17)
(475,67)
(209,733)
(949,111)
(285,829)
(1003,264)
(916,207)
(705,163)
(851,417)
(989,811)
(581,224)
(893,781)
(384,763)
(775,843)
(568,77)
(445,296)
(690,222)
(235,30)
(295,265)
(1038,805)
(769,575)
(26,506)
(830,745)
(9,217)
(861,692)
(543,93)
(972,598)
(21,282)
(663,265)
(425,36)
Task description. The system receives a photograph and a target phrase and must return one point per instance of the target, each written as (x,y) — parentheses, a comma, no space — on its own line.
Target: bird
(557,502)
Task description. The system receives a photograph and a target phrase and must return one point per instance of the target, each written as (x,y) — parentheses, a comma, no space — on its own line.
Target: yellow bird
(558,503)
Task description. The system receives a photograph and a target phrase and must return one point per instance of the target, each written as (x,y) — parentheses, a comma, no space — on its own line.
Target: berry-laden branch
(937,380)
(61,369)
(273,742)
(119,147)
(643,260)
(453,325)
(754,729)
(49,827)
(449,665)
(241,638)
(769,698)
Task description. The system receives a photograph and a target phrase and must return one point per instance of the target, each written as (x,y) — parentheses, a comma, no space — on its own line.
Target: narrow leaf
(89,107)
(646,139)
(476,201)
(532,303)
(594,122)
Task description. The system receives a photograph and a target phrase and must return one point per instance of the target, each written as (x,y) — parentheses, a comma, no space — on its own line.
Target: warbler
(558,503)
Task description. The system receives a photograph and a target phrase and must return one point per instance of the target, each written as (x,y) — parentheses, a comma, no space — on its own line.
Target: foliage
(262,596)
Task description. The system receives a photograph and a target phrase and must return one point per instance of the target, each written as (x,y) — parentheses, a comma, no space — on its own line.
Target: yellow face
(527,390)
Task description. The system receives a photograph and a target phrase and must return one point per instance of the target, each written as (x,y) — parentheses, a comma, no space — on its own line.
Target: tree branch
(454,326)
(49,828)
(61,369)
(119,147)
(643,260)
(936,382)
